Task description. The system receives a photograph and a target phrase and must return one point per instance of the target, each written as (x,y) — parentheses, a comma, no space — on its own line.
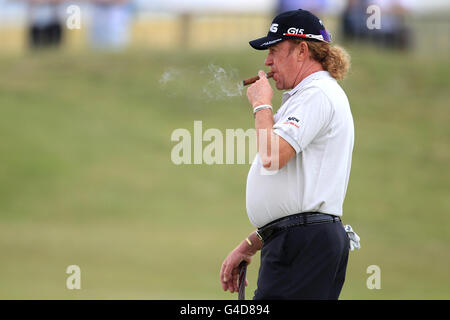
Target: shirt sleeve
(305,118)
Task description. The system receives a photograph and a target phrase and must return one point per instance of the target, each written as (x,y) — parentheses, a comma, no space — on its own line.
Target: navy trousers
(304,262)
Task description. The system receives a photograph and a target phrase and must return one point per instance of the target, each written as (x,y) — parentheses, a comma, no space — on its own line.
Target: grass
(86,176)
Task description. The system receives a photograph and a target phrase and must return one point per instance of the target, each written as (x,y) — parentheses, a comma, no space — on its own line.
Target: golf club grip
(246,82)
(242,276)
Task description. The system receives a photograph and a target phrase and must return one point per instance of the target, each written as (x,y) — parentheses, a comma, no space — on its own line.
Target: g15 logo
(74,20)
(295,31)
(374,281)
(74,280)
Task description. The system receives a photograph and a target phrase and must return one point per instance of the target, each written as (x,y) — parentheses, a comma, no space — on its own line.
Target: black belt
(295,220)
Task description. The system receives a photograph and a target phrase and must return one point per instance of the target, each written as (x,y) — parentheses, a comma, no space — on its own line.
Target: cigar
(254,79)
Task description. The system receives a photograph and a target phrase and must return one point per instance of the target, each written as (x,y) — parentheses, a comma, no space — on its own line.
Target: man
(295,191)
(110,24)
(45,23)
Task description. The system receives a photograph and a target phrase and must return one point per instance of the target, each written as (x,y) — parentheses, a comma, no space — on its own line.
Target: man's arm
(275,152)
(229,273)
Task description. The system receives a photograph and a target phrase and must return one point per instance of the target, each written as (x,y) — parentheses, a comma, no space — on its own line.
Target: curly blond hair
(334,59)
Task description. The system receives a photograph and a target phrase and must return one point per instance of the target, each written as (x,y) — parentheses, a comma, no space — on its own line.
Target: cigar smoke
(213,82)
(169,75)
(221,83)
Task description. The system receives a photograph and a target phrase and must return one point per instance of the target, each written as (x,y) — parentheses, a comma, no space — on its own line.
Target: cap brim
(265,42)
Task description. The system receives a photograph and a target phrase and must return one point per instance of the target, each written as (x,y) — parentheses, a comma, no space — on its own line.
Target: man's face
(283,61)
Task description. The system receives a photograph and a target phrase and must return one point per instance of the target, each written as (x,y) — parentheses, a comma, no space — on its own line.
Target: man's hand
(229,273)
(260,92)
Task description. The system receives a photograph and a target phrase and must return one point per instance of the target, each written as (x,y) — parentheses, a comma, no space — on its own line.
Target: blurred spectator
(45,24)
(393,32)
(314,6)
(110,22)
(353,21)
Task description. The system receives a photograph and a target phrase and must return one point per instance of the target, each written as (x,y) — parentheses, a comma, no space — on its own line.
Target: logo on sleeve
(292,121)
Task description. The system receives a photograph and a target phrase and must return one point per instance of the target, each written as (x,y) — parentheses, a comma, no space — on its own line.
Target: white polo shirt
(316,120)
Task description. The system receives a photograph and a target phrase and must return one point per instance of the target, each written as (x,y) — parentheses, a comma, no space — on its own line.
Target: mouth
(275,76)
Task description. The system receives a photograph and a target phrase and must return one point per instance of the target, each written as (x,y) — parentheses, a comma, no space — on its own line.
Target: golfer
(298,180)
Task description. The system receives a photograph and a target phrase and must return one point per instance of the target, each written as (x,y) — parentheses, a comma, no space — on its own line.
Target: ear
(303,51)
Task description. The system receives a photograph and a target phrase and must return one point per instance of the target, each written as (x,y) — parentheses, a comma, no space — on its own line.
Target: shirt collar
(314,76)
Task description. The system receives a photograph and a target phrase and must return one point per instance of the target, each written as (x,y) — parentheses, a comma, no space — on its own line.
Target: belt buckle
(259,236)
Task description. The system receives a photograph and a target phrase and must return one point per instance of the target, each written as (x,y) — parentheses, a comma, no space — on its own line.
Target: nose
(269,60)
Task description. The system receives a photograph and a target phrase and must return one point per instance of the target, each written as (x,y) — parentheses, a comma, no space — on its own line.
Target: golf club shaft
(242,276)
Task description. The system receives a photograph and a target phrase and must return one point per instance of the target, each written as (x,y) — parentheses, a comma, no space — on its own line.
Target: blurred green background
(87,179)
(86,175)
